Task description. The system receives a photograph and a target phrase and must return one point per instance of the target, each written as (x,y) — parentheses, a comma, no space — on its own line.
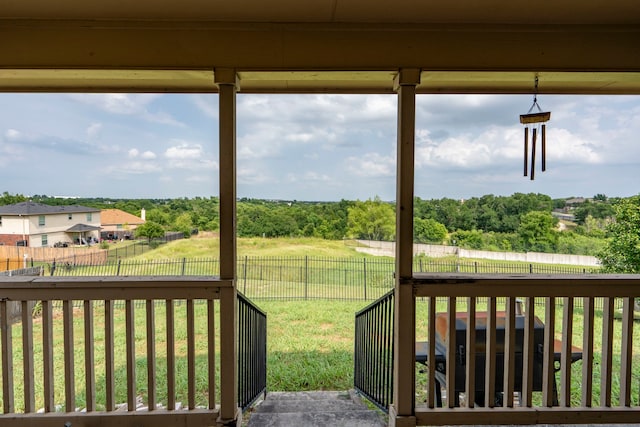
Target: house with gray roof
(39,225)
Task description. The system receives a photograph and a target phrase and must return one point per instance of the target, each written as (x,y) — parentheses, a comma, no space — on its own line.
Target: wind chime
(535,121)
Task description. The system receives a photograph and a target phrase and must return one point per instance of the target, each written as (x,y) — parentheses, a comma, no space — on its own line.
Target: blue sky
(311,147)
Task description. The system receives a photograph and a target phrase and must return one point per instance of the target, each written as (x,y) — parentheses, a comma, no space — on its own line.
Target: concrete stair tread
(308,395)
(314,408)
(324,405)
(317,419)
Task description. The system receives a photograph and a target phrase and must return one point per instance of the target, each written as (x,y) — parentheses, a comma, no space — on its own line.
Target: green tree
(371,220)
(597,210)
(470,239)
(622,253)
(537,231)
(594,227)
(150,230)
(8,199)
(183,224)
(158,216)
(428,231)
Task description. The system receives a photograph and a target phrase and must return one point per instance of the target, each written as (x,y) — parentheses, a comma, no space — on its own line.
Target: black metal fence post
(364,276)
(306,277)
(244,273)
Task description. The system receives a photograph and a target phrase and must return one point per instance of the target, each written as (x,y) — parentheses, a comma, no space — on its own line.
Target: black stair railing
(252,352)
(373,352)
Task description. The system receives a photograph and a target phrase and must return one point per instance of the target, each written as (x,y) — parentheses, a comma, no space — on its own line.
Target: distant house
(117,224)
(38,225)
(574,201)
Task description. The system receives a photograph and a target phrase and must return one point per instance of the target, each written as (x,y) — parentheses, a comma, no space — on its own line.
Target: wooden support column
(227,86)
(227,82)
(402,411)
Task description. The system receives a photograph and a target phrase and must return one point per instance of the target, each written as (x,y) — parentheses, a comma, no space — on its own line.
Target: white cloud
(13,135)
(117,103)
(371,165)
(94,130)
(145,155)
(207,104)
(184,151)
(128,105)
(187,155)
(199,178)
(308,176)
(272,126)
(463,150)
(566,147)
(499,145)
(252,176)
(303,137)
(320,147)
(132,168)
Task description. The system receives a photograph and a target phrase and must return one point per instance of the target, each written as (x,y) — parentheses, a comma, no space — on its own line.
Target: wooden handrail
(485,285)
(111,288)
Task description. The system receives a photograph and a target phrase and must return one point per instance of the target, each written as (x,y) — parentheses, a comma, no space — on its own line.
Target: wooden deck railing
(106,350)
(601,385)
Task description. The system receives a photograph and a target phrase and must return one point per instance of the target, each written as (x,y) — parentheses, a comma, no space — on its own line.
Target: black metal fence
(127,250)
(137,267)
(252,352)
(373,352)
(300,278)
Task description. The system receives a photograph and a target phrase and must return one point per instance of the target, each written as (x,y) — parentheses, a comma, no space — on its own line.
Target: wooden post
(151,355)
(8,400)
(47,355)
(68,344)
(402,411)
(89,357)
(227,82)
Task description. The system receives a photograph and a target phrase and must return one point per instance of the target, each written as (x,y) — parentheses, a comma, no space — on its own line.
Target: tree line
(519,222)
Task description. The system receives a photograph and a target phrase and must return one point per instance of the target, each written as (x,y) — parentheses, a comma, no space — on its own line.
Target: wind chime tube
(533,153)
(526,150)
(544,147)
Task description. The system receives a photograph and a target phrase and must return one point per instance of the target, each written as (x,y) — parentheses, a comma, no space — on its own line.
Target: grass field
(208,247)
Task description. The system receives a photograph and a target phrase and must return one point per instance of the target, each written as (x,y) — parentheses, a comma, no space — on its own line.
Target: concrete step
(322,405)
(311,395)
(317,419)
(314,409)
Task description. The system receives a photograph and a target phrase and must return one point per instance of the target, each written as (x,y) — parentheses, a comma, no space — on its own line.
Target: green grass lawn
(310,344)
(208,247)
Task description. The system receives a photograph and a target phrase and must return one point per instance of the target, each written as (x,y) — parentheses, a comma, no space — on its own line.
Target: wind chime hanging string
(536,121)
